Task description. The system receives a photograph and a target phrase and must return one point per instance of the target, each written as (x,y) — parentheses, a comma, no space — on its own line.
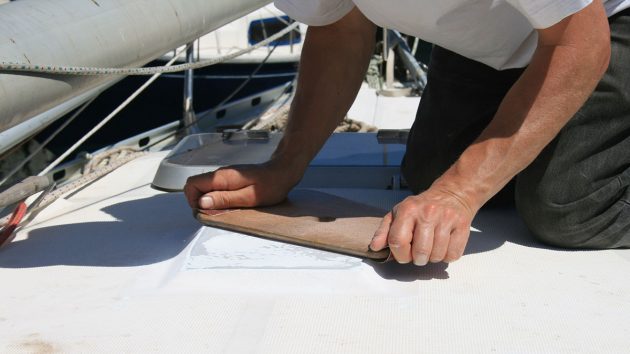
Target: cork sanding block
(308,218)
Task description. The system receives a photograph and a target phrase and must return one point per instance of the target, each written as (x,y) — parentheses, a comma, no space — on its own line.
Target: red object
(14,221)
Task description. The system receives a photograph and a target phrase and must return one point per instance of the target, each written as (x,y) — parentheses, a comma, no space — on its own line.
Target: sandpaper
(308,218)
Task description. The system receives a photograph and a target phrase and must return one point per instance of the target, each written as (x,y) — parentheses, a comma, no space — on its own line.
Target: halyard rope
(90,71)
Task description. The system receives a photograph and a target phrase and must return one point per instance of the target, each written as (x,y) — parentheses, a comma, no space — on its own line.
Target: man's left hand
(433,226)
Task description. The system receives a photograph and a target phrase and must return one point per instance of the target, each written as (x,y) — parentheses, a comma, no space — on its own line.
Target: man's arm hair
(333,64)
(569,61)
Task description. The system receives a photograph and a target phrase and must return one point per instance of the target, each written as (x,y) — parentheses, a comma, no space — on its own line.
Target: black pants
(575,194)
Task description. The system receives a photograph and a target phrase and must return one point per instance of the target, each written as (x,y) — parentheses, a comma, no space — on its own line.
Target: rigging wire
(50,195)
(26,160)
(109,117)
(245,82)
(218,106)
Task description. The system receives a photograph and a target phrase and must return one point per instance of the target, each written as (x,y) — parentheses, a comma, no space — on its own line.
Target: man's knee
(595,220)
(545,221)
(540,215)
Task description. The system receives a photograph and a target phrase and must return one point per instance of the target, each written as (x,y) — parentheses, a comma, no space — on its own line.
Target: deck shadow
(409,272)
(147,231)
(158,228)
(495,226)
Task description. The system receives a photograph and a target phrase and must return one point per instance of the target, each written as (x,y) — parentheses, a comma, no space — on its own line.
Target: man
(516,88)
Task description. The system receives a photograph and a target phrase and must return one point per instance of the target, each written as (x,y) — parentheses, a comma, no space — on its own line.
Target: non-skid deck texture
(308,218)
(120,268)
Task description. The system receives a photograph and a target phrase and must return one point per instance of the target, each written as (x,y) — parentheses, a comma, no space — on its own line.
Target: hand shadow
(493,228)
(392,270)
(147,231)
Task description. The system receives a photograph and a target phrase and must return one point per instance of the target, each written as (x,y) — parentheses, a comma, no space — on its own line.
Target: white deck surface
(382,111)
(118,267)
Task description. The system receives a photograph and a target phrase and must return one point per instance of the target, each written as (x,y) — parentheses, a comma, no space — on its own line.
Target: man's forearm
(556,84)
(333,63)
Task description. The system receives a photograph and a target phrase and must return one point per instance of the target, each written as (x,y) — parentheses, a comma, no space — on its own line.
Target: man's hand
(432,226)
(334,60)
(238,186)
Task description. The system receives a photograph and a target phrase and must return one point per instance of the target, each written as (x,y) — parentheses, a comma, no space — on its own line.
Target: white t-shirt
(498,33)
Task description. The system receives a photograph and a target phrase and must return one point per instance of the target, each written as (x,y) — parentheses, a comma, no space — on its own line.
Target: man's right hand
(238,186)
(334,60)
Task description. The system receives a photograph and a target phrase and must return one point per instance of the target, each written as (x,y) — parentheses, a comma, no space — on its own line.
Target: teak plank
(308,218)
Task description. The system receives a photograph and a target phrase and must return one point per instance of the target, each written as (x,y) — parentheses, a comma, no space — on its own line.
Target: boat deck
(121,267)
